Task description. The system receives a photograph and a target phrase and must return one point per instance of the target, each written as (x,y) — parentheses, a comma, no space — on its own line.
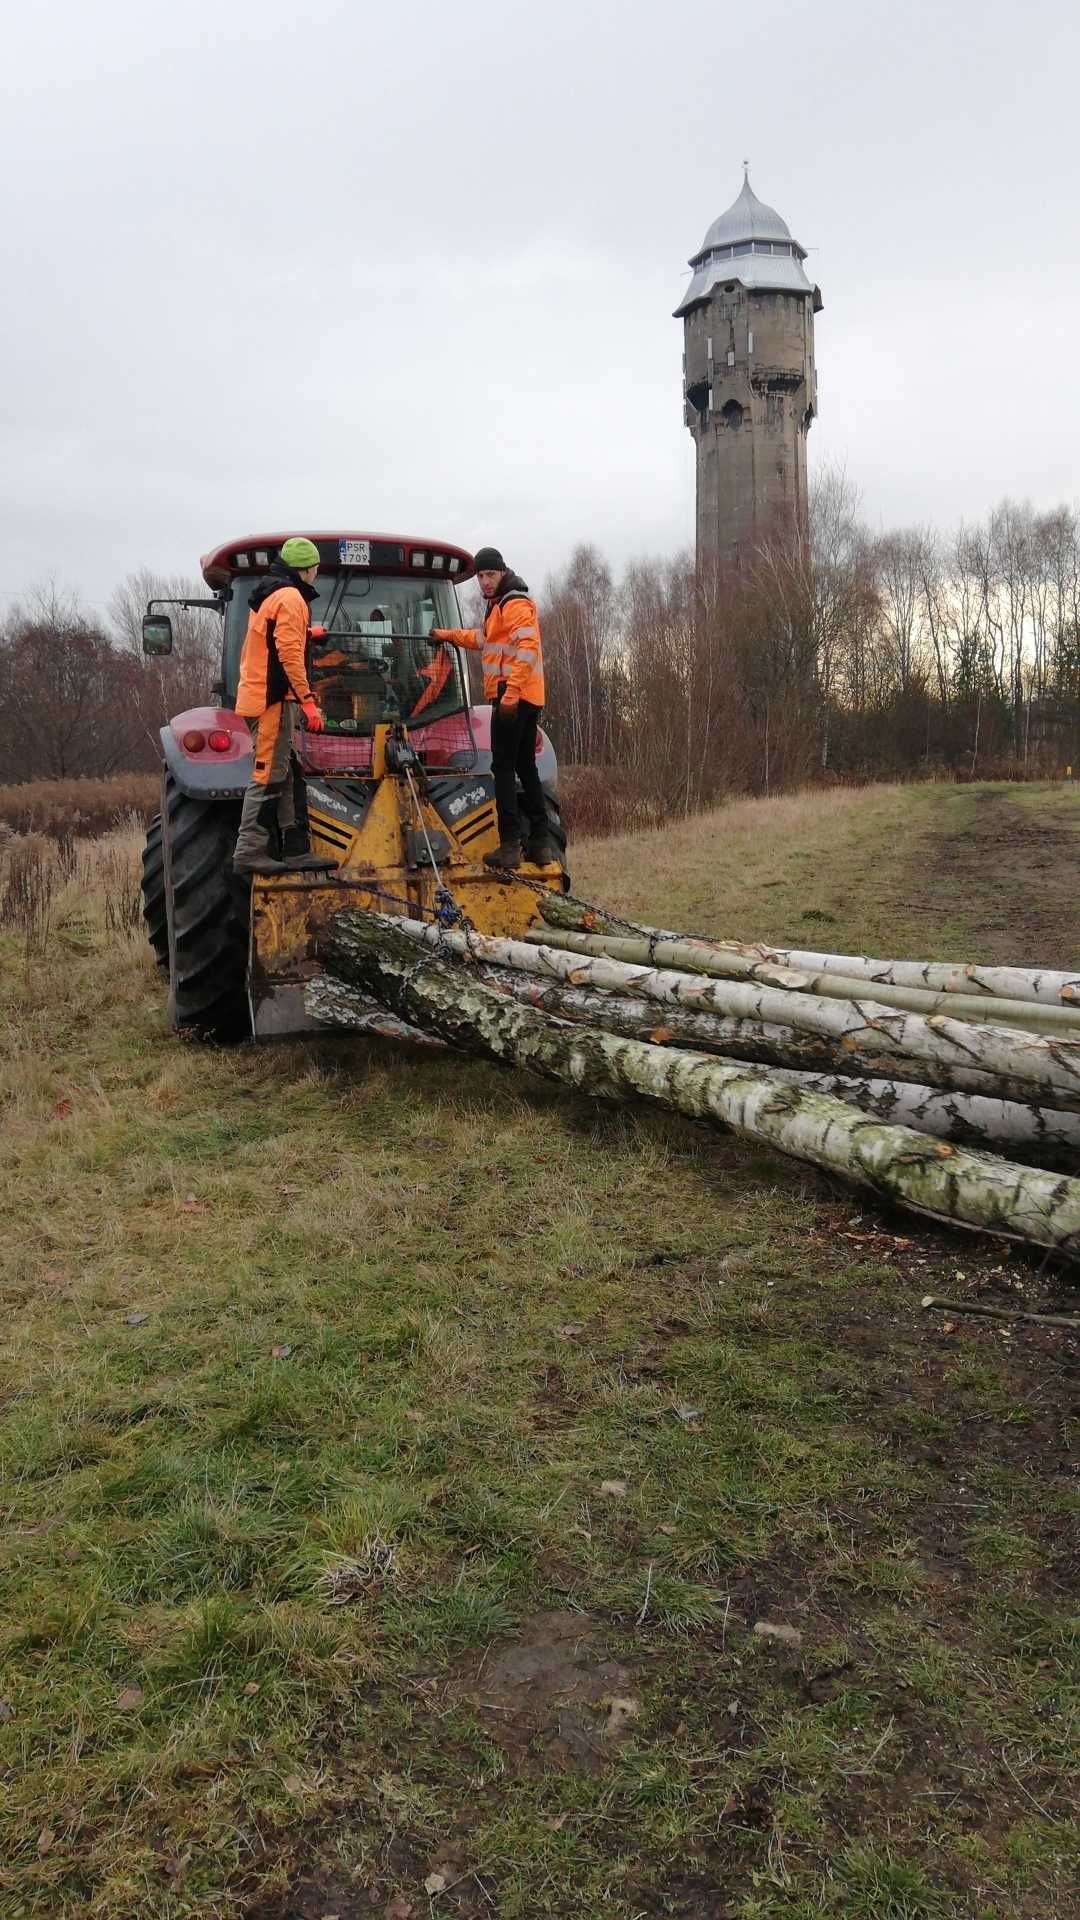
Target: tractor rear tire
(155,913)
(208,917)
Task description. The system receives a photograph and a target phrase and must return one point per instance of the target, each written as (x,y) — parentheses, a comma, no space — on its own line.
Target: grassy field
(423,1491)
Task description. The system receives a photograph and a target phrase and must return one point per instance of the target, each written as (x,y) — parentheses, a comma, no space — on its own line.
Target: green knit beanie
(300,552)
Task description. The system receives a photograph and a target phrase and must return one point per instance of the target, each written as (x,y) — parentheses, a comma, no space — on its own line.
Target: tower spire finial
(746,173)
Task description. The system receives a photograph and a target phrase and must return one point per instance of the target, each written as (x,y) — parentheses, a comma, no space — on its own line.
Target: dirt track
(1015,876)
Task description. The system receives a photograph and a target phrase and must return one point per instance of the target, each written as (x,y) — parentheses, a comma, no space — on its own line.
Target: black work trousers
(513,759)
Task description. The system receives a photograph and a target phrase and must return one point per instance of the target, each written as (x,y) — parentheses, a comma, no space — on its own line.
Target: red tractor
(238,958)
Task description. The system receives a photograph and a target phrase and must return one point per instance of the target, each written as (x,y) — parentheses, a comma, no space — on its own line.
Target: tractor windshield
(374,661)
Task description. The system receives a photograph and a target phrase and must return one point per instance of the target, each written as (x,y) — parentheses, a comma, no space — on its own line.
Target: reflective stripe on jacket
(273,659)
(508,643)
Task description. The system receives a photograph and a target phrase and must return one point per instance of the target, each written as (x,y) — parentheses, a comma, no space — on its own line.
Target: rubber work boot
(260,863)
(539,851)
(506,857)
(298,857)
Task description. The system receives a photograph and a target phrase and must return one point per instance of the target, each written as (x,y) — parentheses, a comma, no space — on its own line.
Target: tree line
(78,698)
(838,654)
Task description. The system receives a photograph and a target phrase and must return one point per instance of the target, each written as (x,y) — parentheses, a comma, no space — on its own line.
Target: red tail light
(219,741)
(194,742)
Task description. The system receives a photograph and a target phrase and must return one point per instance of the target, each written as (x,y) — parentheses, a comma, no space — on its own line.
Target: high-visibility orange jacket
(508,643)
(273,660)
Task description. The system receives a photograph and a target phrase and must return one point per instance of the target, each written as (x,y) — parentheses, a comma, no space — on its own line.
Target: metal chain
(652,935)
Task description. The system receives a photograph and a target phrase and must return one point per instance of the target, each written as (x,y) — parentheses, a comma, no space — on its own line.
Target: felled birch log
(1037,985)
(340,1005)
(947,1183)
(757,1041)
(974,1118)
(1042,985)
(1023,1066)
(734,963)
(579,916)
(970,1119)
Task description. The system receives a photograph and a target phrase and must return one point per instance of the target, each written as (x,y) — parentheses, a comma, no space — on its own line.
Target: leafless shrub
(79,809)
(119,875)
(27,891)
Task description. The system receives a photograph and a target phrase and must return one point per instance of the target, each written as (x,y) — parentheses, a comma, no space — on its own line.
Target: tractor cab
(371,659)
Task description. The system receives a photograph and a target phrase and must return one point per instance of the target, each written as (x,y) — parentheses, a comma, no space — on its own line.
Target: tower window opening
(731,356)
(732,414)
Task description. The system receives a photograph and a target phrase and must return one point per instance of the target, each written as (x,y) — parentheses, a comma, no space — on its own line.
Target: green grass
(324,1322)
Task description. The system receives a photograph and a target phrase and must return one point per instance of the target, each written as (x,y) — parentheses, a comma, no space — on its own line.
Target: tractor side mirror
(156,633)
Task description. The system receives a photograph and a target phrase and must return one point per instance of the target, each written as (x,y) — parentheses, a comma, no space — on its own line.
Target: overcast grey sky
(412,266)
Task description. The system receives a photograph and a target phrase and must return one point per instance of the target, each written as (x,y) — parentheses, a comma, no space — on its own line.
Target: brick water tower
(749,379)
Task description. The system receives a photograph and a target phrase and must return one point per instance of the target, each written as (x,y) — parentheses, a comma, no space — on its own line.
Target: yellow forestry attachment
(404,842)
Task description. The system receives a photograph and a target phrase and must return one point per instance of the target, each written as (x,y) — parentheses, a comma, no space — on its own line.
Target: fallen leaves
(62,1109)
(282,1351)
(128,1699)
(776,1630)
(613,1489)
(190,1204)
(136,1319)
(435,1883)
(621,1710)
(46,1840)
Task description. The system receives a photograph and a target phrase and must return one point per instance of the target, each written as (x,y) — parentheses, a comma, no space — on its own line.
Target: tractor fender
(204,773)
(480,719)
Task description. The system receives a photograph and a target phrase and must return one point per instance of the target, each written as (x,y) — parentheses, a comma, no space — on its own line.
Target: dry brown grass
(783,869)
(60,890)
(78,809)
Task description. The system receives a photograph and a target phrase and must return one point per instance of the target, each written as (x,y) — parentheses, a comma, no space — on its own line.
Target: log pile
(911,1079)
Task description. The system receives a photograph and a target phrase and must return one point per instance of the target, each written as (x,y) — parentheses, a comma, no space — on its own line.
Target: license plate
(355,553)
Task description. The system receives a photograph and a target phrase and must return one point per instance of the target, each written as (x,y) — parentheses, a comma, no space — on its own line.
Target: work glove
(313,719)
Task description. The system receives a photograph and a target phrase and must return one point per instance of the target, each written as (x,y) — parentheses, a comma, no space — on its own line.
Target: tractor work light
(219,740)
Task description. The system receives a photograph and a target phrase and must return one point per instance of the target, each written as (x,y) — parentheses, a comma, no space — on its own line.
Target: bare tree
(68,698)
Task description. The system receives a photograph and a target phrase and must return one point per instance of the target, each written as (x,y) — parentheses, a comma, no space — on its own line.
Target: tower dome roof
(752,245)
(747,218)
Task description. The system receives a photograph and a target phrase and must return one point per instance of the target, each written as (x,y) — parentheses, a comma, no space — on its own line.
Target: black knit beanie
(489,560)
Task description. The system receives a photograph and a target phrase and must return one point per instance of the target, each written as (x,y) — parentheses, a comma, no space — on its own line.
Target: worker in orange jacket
(509,647)
(274,690)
